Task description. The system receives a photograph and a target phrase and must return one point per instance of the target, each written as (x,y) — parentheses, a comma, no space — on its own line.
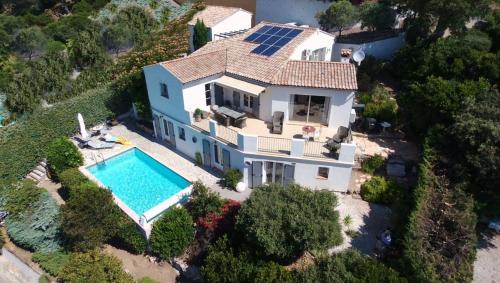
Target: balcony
(257,137)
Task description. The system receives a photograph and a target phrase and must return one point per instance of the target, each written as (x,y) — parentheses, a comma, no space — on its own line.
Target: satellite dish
(358,56)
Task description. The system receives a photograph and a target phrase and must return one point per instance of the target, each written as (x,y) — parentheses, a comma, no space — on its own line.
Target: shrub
(380,106)
(53,262)
(129,237)
(283,223)
(380,190)
(272,272)
(203,201)
(63,154)
(34,221)
(25,143)
(94,266)
(372,164)
(232,177)
(348,266)
(146,280)
(217,223)
(72,178)
(172,233)
(199,159)
(43,279)
(90,217)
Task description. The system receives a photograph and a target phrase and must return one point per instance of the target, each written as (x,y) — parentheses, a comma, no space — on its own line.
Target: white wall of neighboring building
(316,41)
(285,11)
(174,105)
(277,98)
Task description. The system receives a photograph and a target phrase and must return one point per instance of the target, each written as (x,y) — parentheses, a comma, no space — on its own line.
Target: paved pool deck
(165,154)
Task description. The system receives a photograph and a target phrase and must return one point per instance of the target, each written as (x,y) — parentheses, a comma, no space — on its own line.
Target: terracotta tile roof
(232,56)
(317,74)
(197,66)
(213,15)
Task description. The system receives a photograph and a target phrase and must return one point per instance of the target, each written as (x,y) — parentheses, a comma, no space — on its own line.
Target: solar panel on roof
(271,39)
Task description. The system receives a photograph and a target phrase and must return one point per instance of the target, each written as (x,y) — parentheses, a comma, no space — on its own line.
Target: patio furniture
(230,114)
(278,122)
(317,135)
(241,122)
(333,144)
(100,145)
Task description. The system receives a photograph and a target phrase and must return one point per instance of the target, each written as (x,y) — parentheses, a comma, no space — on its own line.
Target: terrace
(268,142)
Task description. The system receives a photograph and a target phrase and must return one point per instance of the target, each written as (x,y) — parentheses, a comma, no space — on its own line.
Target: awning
(240,85)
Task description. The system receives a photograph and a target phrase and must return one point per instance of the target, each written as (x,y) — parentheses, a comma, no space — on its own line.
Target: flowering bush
(215,224)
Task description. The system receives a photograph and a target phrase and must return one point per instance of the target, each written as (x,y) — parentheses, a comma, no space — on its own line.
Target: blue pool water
(138,180)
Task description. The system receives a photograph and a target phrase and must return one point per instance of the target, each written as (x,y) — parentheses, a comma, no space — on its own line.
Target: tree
(62,155)
(431,18)
(377,16)
(137,21)
(203,201)
(340,15)
(94,267)
(172,233)
(117,37)
(90,217)
(283,223)
(200,34)
(348,266)
(30,41)
(87,51)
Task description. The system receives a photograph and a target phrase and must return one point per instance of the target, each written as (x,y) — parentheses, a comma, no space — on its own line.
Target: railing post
(297,147)
(347,152)
(213,127)
(247,143)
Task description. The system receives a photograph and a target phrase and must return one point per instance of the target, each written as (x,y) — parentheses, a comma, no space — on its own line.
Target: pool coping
(147,218)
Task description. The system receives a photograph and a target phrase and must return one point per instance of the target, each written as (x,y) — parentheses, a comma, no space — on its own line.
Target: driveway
(487,265)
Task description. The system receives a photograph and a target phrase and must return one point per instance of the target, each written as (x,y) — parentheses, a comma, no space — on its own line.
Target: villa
(268,102)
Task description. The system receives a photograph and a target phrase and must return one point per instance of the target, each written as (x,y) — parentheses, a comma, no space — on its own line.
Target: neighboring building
(301,12)
(221,22)
(381,45)
(269,71)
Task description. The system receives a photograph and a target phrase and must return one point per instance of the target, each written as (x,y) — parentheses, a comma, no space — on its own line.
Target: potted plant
(197,114)
(199,160)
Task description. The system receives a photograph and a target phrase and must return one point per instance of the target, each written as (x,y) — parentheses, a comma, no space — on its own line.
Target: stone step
(39,173)
(31,178)
(41,169)
(43,163)
(34,176)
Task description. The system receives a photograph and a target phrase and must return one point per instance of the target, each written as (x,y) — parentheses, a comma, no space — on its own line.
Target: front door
(226,160)
(236,100)
(256,173)
(171,133)
(156,122)
(256,106)
(288,175)
(207,157)
(219,95)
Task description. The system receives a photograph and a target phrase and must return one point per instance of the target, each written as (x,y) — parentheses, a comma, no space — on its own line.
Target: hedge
(172,233)
(62,154)
(25,143)
(53,262)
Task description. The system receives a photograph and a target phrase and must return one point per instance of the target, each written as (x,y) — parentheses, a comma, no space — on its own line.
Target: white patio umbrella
(81,123)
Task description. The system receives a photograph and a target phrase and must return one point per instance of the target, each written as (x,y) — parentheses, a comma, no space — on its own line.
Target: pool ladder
(95,158)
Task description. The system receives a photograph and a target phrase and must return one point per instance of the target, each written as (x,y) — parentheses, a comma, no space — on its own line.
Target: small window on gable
(182,134)
(323,172)
(164,90)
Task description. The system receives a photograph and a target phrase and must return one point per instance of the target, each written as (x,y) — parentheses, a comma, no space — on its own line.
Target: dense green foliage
(90,217)
(340,15)
(348,266)
(71,179)
(377,15)
(372,163)
(146,280)
(283,223)
(439,245)
(34,221)
(129,237)
(380,190)
(94,266)
(200,34)
(62,154)
(203,201)
(223,264)
(172,233)
(380,105)
(25,143)
(31,40)
(232,177)
(53,262)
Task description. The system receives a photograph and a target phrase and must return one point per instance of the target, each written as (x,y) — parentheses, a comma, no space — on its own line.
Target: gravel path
(487,265)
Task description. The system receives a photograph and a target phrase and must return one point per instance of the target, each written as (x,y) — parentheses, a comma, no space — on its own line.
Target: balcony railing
(227,134)
(316,149)
(274,145)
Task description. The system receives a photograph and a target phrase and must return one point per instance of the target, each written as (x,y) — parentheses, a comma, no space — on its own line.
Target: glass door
(308,108)
(274,172)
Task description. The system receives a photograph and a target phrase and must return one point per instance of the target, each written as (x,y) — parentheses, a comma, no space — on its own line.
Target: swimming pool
(138,180)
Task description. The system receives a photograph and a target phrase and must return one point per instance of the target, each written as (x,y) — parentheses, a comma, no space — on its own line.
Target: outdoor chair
(278,122)
(333,143)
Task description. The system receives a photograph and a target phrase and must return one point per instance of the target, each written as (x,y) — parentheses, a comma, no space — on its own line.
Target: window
(323,172)
(164,90)
(182,134)
(165,127)
(217,154)
(248,100)
(274,172)
(318,55)
(304,54)
(208,95)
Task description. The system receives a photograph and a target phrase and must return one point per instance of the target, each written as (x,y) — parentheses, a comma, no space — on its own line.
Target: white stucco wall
(277,98)
(285,11)
(194,94)
(316,41)
(381,49)
(174,105)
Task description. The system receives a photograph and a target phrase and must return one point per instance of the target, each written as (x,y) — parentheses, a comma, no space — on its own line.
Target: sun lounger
(100,145)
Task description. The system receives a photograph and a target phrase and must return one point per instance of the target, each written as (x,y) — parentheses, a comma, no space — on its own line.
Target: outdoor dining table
(307,130)
(233,114)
